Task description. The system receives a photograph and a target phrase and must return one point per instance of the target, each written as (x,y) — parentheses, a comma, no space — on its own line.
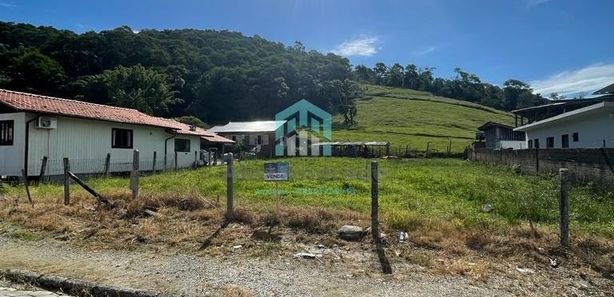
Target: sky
(564,46)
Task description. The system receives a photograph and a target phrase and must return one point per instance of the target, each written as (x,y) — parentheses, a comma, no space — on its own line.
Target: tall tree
(136,87)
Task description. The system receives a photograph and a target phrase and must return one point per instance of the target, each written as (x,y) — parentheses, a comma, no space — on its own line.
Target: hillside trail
(181,274)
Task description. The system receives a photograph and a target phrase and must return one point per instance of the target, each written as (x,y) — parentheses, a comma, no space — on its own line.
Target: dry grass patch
(186,221)
(175,220)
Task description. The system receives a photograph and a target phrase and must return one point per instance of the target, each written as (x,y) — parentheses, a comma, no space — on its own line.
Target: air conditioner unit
(47,123)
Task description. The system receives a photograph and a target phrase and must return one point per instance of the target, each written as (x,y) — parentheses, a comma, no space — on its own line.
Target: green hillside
(413,118)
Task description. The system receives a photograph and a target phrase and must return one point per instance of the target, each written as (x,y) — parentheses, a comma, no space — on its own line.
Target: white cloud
(2,4)
(532,3)
(361,46)
(425,51)
(580,81)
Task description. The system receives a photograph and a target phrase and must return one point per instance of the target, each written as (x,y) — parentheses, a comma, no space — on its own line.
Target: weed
(27,235)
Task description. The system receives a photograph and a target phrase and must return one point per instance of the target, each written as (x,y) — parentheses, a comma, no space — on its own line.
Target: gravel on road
(181,274)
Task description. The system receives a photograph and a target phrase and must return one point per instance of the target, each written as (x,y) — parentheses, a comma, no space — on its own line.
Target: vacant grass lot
(411,118)
(414,194)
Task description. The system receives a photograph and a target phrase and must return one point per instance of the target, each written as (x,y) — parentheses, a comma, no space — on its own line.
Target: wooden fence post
(27,185)
(374,201)
(195,159)
(428,148)
(66,182)
(450,147)
(134,175)
(386,268)
(43,169)
(229,188)
(107,165)
(564,207)
(153,166)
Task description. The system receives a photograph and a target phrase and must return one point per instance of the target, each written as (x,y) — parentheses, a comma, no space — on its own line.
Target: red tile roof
(74,108)
(218,139)
(186,129)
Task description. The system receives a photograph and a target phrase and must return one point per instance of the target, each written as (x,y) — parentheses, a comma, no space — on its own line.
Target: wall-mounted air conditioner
(47,123)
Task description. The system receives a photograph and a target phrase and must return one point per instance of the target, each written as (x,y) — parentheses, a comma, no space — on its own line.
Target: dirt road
(191,275)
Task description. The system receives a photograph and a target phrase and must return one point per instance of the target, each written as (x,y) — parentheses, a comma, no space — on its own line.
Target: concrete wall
(592,130)
(86,144)
(511,144)
(585,165)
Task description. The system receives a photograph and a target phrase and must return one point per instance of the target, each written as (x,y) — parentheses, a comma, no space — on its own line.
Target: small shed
(500,136)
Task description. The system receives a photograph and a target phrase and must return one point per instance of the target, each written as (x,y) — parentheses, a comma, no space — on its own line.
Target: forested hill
(464,86)
(214,75)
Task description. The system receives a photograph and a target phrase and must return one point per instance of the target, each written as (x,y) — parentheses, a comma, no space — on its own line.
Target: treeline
(465,86)
(216,76)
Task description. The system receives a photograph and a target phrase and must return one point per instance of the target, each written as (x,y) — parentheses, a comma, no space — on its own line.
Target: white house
(33,127)
(251,134)
(587,127)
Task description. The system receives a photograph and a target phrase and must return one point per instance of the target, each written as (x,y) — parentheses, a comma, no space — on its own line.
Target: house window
(530,143)
(121,138)
(6,132)
(234,138)
(550,142)
(575,137)
(259,140)
(536,143)
(565,140)
(182,145)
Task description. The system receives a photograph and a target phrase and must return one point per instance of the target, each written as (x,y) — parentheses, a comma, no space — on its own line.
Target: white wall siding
(87,142)
(12,156)
(592,130)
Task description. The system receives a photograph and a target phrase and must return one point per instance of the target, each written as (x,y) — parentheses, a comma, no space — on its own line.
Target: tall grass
(417,193)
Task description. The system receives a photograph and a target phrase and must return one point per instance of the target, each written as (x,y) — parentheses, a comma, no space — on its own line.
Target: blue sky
(556,45)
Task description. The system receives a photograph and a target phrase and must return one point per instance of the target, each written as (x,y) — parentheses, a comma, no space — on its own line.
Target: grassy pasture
(414,194)
(412,118)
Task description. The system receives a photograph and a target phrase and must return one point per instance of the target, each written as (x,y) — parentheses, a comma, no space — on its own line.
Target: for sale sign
(276,171)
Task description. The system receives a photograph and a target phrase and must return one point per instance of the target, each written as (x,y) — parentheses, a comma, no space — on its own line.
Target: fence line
(585,165)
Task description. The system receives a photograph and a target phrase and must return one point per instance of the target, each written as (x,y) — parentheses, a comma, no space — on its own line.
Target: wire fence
(48,169)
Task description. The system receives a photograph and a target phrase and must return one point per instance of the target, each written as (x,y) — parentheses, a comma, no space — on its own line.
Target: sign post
(276,172)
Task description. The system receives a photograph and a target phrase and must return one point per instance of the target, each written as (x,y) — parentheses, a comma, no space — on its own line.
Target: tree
(363,74)
(341,96)
(192,121)
(31,71)
(425,78)
(264,77)
(464,86)
(380,71)
(395,75)
(136,87)
(412,79)
(516,92)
